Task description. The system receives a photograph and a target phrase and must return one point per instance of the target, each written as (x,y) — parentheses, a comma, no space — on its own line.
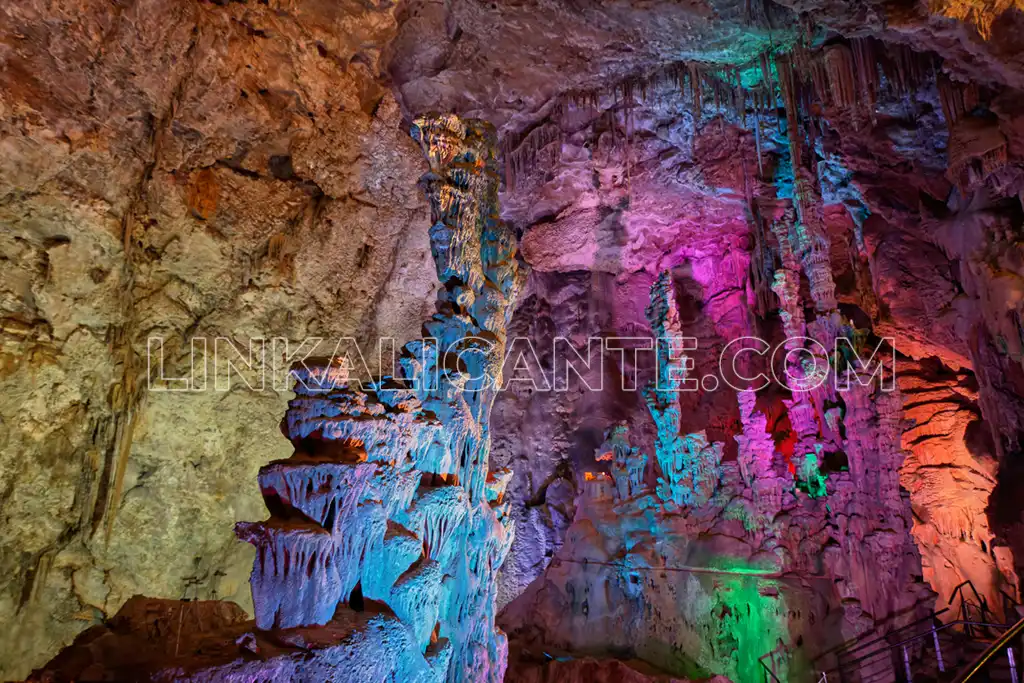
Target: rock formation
(756,448)
(387,498)
(183,179)
(628,464)
(388,489)
(730,539)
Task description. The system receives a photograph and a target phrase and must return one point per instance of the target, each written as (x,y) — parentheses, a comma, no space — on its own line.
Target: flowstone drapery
(387,497)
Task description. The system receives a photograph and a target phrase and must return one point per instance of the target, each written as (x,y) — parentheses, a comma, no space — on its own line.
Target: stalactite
(906,69)
(718,105)
(741,98)
(521,153)
(842,76)
(812,139)
(766,74)
(867,74)
(958,99)
(819,81)
(769,82)
(288,555)
(696,92)
(435,515)
(416,599)
(757,144)
(789,97)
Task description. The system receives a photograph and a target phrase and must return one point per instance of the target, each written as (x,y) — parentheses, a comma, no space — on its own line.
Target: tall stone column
(388,495)
(690,464)
(787,288)
(756,455)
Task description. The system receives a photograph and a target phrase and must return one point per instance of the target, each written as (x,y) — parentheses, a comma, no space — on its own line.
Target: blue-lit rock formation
(386,498)
(724,566)
(386,530)
(689,464)
(628,464)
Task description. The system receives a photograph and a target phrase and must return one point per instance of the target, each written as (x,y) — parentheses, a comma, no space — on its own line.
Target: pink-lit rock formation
(756,447)
(186,170)
(727,561)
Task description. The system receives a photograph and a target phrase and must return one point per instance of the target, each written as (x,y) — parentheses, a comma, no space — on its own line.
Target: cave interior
(469,341)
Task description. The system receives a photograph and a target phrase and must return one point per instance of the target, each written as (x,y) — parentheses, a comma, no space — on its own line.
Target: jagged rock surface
(179,168)
(387,505)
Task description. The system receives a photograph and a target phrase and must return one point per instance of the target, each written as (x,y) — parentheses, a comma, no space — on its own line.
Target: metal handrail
(854,646)
(995,648)
(849,647)
(1009,603)
(767,671)
(959,589)
(919,636)
(977,665)
(982,602)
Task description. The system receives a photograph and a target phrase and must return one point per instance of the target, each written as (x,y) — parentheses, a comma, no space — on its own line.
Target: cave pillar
(388,495)
(787,282)
(756,454)
(689,464)
(801,409)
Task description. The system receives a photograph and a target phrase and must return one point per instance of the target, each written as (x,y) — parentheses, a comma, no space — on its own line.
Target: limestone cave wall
(194,169)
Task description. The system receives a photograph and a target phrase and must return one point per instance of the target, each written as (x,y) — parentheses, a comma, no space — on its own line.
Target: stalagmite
(345,508)
(628,464)
(689,464)
(809,473)
(786,284)
(756,447)
(814,248)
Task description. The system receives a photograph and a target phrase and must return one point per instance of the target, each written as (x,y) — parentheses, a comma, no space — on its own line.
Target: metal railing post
(1013,664)
(938,650)
(906,664)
